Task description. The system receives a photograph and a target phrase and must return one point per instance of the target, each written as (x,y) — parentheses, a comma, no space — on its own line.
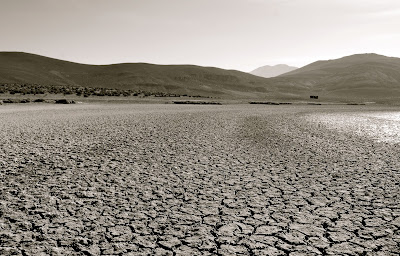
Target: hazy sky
(232,34)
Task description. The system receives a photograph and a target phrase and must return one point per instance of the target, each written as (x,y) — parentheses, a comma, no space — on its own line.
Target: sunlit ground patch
(378,126)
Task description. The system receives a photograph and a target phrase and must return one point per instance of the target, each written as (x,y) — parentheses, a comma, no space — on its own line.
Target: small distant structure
(314,97)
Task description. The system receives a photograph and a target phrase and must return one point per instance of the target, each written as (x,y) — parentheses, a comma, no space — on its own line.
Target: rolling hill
(357,77)
(272,71)
(17,67)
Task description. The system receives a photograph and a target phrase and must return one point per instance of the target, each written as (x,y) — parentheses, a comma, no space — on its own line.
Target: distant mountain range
(272,71)
(355,77)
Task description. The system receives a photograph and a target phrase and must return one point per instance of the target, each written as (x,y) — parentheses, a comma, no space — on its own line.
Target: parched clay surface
(193,180)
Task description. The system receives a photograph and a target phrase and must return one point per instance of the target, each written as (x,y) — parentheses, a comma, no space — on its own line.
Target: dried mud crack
(193,180)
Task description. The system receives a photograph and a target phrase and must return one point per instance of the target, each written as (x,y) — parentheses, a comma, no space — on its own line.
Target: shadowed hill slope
(18,67)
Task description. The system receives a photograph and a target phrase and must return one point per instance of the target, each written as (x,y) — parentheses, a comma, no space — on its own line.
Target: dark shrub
(65,101)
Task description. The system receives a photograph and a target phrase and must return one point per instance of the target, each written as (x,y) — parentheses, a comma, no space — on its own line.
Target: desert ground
(162,179)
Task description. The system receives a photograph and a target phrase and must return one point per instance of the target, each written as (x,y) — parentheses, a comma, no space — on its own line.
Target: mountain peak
(272,71)
(363,56)
(343,63)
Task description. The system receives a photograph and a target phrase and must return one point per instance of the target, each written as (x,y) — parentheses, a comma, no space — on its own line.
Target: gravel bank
(193,180)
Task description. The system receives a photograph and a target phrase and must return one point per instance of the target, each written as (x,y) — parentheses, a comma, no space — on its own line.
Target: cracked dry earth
(194,180)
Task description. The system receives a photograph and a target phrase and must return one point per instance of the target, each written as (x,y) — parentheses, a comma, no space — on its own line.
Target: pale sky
(230,34)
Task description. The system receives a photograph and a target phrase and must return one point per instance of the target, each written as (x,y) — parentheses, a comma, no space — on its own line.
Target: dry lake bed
(137,179)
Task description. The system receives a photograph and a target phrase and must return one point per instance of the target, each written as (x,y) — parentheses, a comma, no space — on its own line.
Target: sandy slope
(164,179)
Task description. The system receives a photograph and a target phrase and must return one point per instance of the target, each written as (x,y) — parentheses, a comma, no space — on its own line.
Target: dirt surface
(194,180)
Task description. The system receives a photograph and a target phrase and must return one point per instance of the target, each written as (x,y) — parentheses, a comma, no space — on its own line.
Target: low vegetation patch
(64,101)
(33,89)
(266,103)
(198,102)
(16,101)
(9,101)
